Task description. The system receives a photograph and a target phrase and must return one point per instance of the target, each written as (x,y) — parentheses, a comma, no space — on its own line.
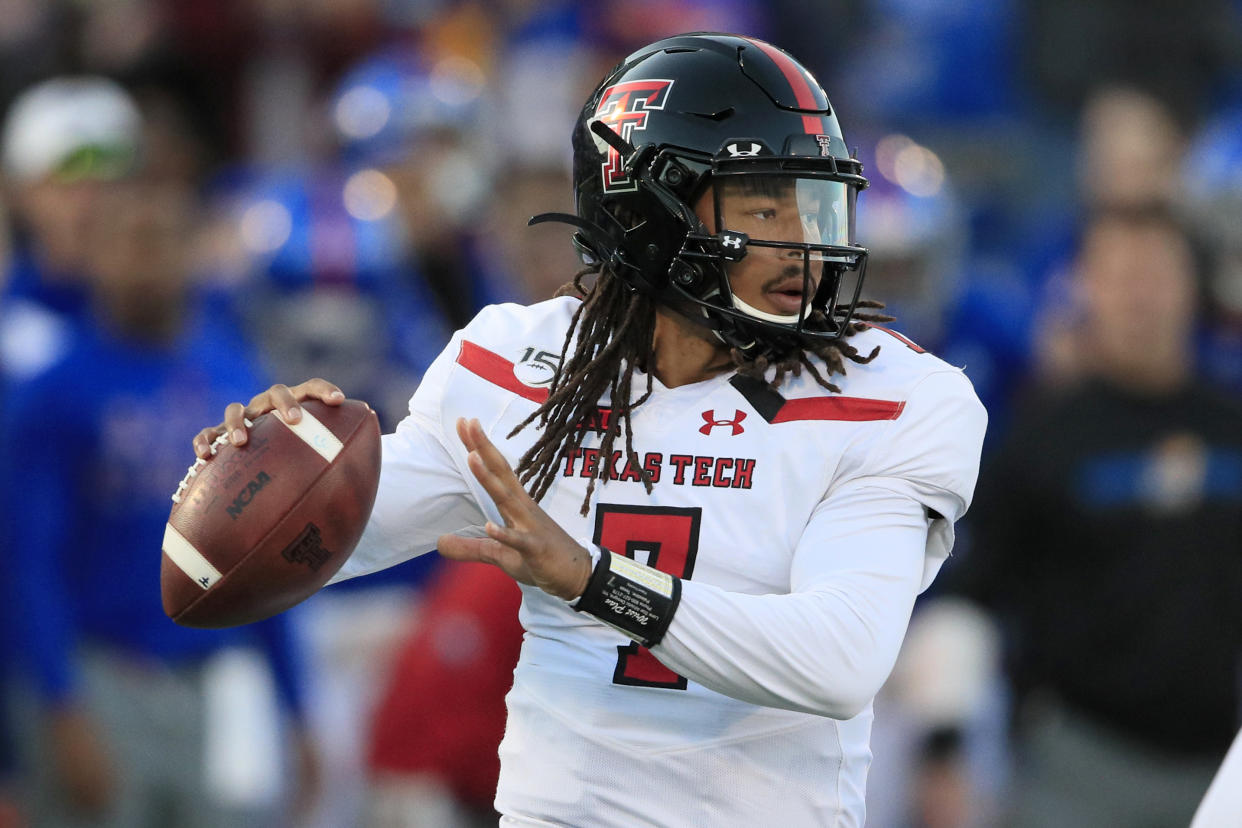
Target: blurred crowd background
(201,198)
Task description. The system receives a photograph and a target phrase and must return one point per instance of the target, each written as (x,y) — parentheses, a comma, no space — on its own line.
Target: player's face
(777,209)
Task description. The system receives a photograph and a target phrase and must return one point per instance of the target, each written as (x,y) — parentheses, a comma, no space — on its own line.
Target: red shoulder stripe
(852,409)
(497,370)
(774,408)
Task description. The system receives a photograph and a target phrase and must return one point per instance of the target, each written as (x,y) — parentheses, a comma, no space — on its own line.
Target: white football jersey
(803,523)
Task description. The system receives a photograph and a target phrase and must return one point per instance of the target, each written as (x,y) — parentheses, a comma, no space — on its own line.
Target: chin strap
(751,310)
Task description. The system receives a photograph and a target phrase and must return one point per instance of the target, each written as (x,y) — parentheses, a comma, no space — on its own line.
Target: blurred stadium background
(201,197)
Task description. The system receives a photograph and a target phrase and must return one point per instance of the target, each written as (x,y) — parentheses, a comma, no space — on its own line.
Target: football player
(720,484)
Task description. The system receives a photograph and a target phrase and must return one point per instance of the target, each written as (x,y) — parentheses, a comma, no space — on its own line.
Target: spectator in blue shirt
(119,691)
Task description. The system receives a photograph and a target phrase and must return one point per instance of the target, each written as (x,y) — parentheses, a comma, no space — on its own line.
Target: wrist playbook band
(634,599)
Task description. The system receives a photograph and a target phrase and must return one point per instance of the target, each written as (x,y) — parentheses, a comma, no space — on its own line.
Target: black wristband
(634,599)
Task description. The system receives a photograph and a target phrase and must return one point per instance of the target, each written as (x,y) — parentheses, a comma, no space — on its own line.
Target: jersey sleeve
(931,455)
(422,492)
(871,545)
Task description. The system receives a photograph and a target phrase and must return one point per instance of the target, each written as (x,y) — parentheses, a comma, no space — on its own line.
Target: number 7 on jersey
(663,537)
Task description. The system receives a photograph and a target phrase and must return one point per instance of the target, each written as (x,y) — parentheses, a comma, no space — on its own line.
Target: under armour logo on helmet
(710,422)
(746,150)
(733,245)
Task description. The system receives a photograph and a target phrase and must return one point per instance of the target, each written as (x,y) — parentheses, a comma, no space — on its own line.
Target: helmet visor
(783,210)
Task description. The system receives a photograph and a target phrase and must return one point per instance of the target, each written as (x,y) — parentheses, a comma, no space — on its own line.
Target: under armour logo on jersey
(745,150)
(710,422)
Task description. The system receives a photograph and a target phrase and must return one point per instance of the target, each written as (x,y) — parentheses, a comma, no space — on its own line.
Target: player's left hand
(530,547)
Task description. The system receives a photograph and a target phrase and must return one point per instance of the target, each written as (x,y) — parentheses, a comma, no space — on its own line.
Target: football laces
(199,462)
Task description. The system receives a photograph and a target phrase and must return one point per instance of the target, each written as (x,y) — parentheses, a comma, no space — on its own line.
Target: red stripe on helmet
(812,124)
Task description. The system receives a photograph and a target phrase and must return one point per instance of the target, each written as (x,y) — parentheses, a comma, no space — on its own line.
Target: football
(262,526)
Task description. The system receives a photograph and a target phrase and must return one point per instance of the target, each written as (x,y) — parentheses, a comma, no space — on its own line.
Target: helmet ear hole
(676,177)
(686,275)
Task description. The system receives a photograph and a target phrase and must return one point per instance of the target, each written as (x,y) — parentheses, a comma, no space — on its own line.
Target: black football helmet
(739,114)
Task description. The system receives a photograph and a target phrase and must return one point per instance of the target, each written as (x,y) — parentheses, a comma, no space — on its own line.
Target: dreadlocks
(615,329)
(833,352)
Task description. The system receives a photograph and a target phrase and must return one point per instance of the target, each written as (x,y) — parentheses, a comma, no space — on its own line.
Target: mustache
(791,271)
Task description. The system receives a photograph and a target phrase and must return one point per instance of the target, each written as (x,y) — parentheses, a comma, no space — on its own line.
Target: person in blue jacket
(122,718)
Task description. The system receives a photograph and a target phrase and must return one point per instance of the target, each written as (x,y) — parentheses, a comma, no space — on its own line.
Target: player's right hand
(279,398)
